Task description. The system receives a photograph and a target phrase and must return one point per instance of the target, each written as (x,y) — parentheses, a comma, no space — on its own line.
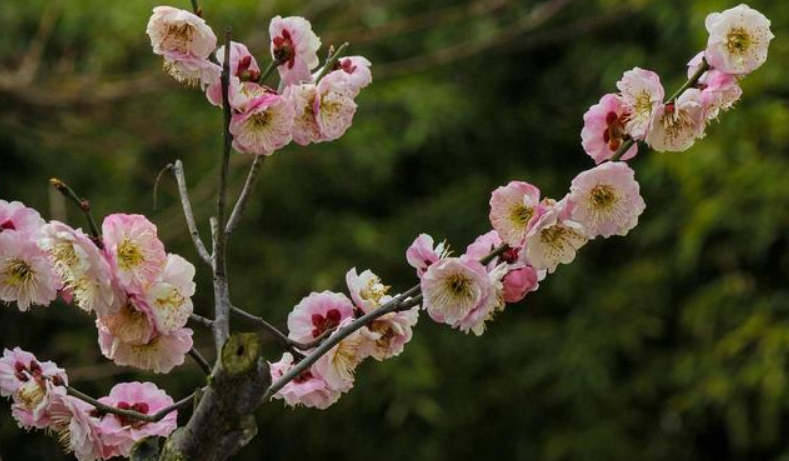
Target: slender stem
(204,321)
(249,186)
(84,206)
(693,80)
(269,70)
(411,298)
(201,361)
(196,8)
(704,67)
(158,416)
(332,61)
(180,178)
(221,291)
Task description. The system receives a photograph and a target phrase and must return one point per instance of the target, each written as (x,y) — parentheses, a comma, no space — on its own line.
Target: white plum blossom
(641,93)
(738,41)
(677,125)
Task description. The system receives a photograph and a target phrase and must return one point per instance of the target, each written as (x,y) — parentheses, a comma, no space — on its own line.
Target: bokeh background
(670,344)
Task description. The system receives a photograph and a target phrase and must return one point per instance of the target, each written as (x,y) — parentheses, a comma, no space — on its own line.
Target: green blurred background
(670,344)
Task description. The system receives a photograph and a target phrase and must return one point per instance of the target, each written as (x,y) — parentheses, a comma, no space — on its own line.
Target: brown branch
(84,206)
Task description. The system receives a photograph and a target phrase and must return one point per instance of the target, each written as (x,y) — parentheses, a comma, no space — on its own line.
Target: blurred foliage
(672,343)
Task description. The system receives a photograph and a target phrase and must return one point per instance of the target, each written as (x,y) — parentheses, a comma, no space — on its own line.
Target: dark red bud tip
(670,108)
(84,205)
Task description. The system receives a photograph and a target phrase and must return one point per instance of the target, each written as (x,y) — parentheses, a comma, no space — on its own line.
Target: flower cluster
(310,105)
(532,236)
(738,42)
(322,314)
(140,294)
(41,401)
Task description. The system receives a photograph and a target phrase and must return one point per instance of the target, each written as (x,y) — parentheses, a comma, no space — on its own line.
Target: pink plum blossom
(738,41)
(606,200)
(334,108)
(77,427)
(338,366)
(84,271)
(160,355)
(604,129)
(134,250)
(169,298)
(677,125)
(453,288)
(353,71)
(318,313)
(513,210)
(15,216)
(554,239)
(243,69)
(423,253)
(27,276)
(294,47)
(308,389)
(305,127)
(641,94)
(18,367)
(264,127)
(144,398)
(520,282)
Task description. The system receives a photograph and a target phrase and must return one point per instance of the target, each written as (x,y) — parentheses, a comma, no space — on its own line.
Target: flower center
(738,41)
(521,214)
(615,133)
(140,407)
(178,37)
(602,196)
(7,225)
(17,272)
(459,285)
(284,51)
(129,325)
(322,324)
(374,290)
(261,119)
(129,255)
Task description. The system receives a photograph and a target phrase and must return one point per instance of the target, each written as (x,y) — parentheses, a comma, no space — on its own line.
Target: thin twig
(249,186)
(268,71)
(332,61)
(158,416)
(84,206)
(404,301)
(204,321)
(196,8)
(183,191)
(201,361)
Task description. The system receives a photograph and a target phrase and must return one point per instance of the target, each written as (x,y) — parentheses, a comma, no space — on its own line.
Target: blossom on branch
(145,398)
(317,314)
(264,126)
(134,250)
(423,253)
(513,209)
(641,94)
(27,276)
(294,47)
(677,124)
(307,389)
(738,41)
(606,200)
(604,129)
(555,238)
